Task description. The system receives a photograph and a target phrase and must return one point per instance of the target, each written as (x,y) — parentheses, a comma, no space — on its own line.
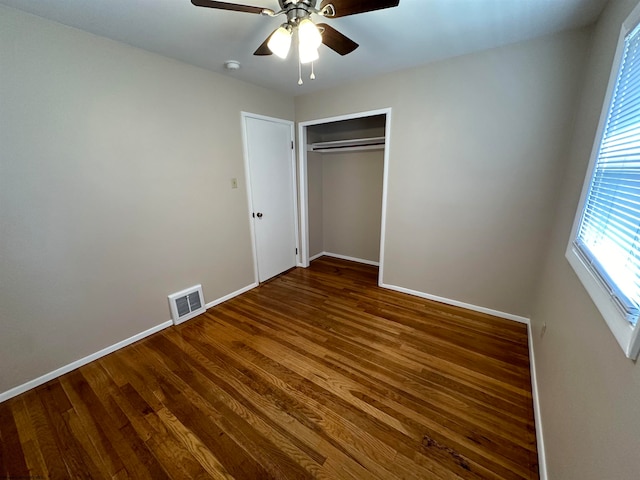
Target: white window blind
(608,237)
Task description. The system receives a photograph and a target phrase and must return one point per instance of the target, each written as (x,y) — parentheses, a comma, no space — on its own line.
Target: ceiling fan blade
(264,48)
(228,6)
(342,8)
(336,41)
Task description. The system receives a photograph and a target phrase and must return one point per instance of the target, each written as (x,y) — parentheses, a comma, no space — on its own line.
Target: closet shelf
(352,145)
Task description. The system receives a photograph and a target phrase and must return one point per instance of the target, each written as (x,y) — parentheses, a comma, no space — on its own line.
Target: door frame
(247,175)
(303,180)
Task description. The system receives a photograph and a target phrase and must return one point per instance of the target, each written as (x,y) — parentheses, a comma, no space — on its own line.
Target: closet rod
(371,143)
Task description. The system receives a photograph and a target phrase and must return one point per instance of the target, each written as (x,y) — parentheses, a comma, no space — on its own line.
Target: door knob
(259,215)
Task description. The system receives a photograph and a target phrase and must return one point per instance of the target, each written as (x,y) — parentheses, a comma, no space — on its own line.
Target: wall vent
(186,304)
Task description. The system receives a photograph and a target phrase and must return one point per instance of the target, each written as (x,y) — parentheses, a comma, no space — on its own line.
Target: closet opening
(343,187)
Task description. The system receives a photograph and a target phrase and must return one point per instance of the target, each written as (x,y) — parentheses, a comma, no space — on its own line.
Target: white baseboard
(456,303)
(106,351)
(346,257)
(79,363)
(542,461)
(318,255)
(542,458)
(230,296)
(117,346)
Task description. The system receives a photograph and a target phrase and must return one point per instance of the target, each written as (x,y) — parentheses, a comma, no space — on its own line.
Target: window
(605,243)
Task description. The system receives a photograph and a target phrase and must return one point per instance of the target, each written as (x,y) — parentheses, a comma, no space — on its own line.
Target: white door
(270,160)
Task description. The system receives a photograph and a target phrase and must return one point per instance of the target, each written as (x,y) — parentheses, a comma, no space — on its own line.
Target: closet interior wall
(345,190)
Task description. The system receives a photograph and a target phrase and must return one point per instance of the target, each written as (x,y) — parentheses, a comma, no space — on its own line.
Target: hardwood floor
(315,374)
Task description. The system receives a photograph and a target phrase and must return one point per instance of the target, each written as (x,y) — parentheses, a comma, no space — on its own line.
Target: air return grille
(186,304)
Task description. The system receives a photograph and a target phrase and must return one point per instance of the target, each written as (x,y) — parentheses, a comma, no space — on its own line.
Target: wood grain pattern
(317,373)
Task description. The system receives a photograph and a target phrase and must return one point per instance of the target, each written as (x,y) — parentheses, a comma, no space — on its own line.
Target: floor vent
(186,304)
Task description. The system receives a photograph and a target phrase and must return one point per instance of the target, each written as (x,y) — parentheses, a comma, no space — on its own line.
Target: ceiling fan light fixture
(309,35)
(298,22)
(280,42)
(307,55)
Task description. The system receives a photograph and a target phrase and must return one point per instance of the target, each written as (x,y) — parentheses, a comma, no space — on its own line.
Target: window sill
(625,334)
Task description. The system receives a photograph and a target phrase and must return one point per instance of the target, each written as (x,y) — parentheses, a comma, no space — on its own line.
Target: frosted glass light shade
(309,35)
(280,42)
(307,55)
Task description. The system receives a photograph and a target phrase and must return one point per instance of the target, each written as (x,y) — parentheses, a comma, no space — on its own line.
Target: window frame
(627,335)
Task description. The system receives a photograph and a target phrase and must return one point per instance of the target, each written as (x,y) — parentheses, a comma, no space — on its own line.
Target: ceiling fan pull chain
(313,75)
(300,82)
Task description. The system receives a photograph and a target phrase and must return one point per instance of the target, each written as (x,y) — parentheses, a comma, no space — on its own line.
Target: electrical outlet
(234,183)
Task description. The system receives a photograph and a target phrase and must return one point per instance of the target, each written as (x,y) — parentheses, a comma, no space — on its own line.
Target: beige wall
(115,168)
(589,392)
(352,186)
(315,203)
(477,150)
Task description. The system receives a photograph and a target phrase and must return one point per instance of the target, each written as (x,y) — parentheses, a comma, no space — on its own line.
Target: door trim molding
(247,175)
(303,184)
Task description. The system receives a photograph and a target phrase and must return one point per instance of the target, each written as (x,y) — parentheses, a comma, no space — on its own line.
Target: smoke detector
(232,65)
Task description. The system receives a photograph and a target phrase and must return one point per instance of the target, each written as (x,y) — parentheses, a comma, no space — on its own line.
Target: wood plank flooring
(315,374)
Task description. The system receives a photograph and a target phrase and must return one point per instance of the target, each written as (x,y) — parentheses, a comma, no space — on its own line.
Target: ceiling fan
(298,21)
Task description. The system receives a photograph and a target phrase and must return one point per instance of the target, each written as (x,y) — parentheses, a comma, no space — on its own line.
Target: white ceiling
(414,33)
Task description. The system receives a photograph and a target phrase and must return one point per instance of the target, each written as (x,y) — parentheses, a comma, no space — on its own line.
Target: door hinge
(291,144)
(296,251)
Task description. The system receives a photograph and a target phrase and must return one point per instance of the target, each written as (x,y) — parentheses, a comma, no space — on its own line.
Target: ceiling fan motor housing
(298,11)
